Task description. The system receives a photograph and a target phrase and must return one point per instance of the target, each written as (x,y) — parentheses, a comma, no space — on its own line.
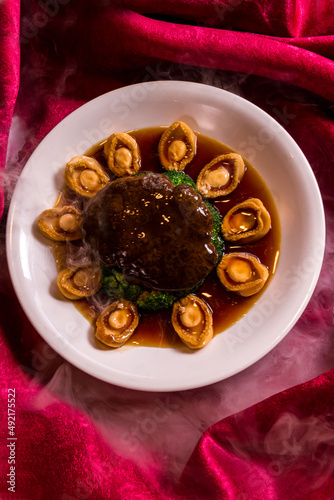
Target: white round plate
(219,114)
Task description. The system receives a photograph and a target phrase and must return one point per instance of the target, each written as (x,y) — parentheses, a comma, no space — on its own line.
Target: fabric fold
(9,79)
(281,445)
(292,18)
(148,39)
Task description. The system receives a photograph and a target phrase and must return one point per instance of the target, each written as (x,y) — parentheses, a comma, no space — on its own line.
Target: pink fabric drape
(56,55)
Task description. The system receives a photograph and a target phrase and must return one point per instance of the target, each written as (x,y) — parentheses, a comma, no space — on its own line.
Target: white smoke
(163,429)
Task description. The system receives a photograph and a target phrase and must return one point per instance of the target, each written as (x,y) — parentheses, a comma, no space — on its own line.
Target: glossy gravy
(155,328)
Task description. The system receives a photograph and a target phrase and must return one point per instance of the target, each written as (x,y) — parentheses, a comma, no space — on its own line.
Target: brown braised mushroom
(122,153)
(177,146)
(192,321)
(85,176)
(221,176)
(117,322)
(80,282)
(61,223)
(242,273)
(159,234)
(246,222)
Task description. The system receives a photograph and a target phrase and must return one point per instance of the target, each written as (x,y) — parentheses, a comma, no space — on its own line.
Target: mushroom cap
(157,233)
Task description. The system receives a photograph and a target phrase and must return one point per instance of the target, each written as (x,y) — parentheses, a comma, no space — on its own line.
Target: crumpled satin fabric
(64,53)
(279,448)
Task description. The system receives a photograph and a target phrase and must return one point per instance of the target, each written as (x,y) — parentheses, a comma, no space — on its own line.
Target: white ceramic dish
(216,113)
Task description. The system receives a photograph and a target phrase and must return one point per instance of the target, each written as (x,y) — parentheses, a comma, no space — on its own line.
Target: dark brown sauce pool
(155,327)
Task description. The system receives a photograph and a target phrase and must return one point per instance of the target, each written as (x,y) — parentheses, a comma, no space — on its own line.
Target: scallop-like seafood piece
(177,146)
(85,176)
(192,321)
(117,322)
(242,273)
(61,223)
(122,153)
(81,282)
(246,222)
(221,176)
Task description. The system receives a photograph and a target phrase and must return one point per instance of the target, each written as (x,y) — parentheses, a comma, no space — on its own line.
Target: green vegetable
(178,178)
(115,285)
(154,300)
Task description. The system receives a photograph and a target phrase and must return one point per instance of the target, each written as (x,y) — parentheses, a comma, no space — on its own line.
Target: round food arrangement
(162,230)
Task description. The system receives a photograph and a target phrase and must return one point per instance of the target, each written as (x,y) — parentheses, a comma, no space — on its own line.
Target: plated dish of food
(155,255)
(162,218)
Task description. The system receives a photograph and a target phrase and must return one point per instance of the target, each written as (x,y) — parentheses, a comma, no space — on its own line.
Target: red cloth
(279,55)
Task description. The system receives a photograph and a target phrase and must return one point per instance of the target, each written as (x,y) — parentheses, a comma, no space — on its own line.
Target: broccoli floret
(115,285)
(178,178)
(155,300)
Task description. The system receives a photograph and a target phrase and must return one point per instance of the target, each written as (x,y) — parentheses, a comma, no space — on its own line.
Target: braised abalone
(177,146)
(117,323)
(79,282)
(61,223)
(242,273)
(246,222)
(192,321)
(85,176)
(122,153)
(221,176)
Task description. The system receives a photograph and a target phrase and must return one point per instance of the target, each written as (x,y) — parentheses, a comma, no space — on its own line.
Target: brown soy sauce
(155,328)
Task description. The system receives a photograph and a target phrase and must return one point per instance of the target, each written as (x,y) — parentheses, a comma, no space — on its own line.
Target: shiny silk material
(278,54)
